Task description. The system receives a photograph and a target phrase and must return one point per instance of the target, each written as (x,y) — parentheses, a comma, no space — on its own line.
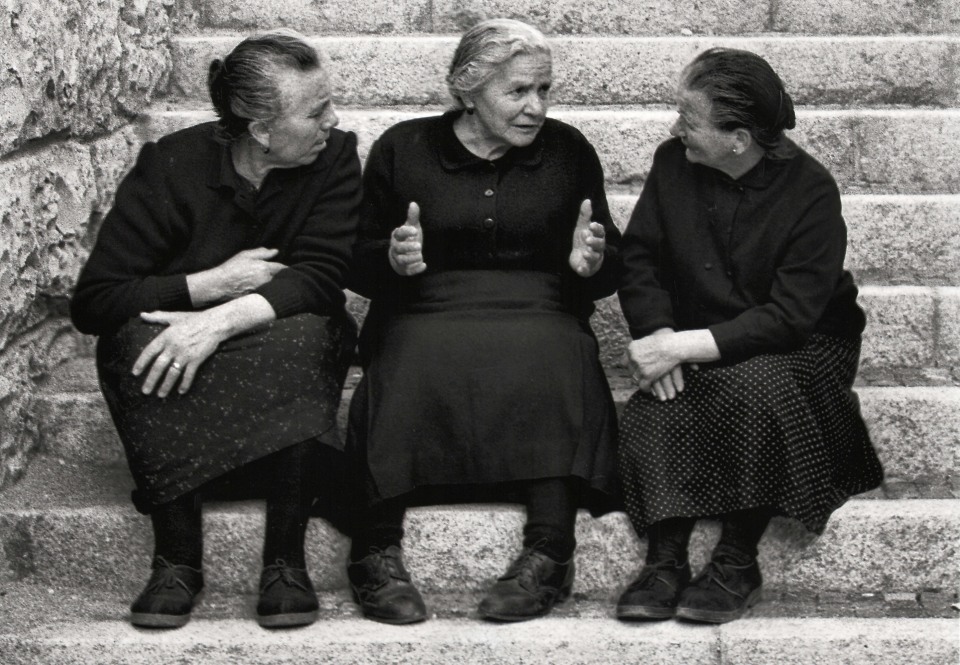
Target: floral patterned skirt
(260,392)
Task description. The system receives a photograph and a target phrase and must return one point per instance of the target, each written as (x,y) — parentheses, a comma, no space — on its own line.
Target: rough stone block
(79,66)
(623,70)
(866,17)
(316,16)
(900,328)
(948,340)
(915,431)
(850,641)
(903,239)
(630,17)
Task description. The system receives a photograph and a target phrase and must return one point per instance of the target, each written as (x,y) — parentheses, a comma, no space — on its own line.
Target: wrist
(204,287)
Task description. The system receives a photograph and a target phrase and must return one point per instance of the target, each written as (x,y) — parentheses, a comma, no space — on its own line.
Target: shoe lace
(718,573)
(652,573)
(280,572)
(165,576)
(388,564)
(524,569)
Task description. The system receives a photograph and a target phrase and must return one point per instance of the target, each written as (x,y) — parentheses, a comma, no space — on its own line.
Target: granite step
(73,525)
(868,151)
(631,17)
(847,70)
(55,627)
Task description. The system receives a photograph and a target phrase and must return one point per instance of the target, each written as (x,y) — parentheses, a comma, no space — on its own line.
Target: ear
(260,132)
(742,140)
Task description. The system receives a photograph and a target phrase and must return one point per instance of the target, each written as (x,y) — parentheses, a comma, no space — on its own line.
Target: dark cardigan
(757,260)
(183,209)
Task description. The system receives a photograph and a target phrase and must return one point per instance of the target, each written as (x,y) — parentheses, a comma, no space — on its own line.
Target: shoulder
(671,152)
(412,130)
(557,131)
(804,173)
(186,149)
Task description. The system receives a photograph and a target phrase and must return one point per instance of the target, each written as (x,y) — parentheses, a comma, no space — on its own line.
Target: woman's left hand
(176,353)
(589,243)
(653,363)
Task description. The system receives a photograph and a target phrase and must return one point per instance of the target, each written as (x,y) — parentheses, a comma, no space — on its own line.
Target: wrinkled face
(706,144)
(301,130)
(512,106)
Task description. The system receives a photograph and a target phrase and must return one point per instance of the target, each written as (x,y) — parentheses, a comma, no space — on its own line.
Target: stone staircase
(876,85)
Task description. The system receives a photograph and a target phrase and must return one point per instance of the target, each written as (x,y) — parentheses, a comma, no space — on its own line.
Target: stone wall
(75,74)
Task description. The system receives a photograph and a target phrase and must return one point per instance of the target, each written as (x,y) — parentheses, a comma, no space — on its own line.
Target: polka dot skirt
(780,430)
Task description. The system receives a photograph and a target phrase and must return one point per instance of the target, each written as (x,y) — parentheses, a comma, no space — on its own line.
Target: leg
(543,573)
(287,597)
(168,598)
(654,594)
(380,582)
(731,583)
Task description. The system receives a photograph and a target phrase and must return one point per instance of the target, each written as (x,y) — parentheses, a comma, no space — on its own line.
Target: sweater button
(488,193)
(488,223)
(707,266)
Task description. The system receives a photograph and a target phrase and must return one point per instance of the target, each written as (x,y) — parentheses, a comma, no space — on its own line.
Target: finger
(186,381)
(409,258)
(151,351)
(407,247)
(406,232)
(274,267)
(586,214)
(156,373)
(677,374)
(666,382)
(174,371)
(595,243)
(416,268)
(597,230)
(261,253)
(413,216)
(166,318)
(658,391)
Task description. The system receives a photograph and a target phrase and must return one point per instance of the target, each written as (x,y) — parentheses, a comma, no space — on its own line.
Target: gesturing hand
(588,243)
(406,245)
(176,353)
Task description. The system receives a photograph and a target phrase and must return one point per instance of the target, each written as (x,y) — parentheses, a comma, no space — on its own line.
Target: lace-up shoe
(721,593)
(168,598)
(531,586)
(654,594)
(382,587)
(287,597)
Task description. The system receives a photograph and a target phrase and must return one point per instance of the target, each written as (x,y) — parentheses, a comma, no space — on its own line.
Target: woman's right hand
(239,275)
(406,245)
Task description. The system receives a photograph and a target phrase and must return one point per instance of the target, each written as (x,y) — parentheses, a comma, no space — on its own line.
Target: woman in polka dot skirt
(746,338)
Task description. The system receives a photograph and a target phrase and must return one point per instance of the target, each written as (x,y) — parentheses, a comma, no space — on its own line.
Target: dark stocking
(380,526)
(668,539)
(178,531)
(289,475)
(741,534)
(551,517)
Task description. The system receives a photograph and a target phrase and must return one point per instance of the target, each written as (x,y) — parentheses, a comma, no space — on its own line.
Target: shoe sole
(145,620)
(719,616)
(513,618)
(642,612)
(403,621)
(288,620)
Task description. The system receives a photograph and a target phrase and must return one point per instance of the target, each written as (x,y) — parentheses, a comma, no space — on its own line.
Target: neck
(250,161)
(467,128)
(740,164)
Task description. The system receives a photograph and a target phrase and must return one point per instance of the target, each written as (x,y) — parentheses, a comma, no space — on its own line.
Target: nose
(675,129)
(330,120)
(536,105)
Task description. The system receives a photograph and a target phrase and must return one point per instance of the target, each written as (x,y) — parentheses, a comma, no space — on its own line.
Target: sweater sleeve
(645,303)
(371,267)
(316,275)
(804,283)
(120,279)
(604,282)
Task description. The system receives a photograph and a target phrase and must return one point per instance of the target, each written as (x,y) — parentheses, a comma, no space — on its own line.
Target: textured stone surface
(630,17)
(867,17)
(315,16)
(870,642)
(626,70)
(948,319)
(79,66)
(625,139)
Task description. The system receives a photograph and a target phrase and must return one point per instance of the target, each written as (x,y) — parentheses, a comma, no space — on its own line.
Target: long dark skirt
(260,392)
(778,430)
(483,381)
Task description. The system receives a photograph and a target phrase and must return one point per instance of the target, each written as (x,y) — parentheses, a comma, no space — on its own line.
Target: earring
(265,149)
(470,111)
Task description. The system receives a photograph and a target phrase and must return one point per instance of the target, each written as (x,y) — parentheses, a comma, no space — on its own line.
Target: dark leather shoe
(168,598)
(654,594)
(287,597)
(382,587)
(529,588)
(721,593)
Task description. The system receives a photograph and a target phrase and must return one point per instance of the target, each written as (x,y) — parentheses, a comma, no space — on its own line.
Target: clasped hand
(655,368)
(589,243)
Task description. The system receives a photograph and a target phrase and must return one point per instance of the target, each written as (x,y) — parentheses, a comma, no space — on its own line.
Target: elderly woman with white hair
(485,237)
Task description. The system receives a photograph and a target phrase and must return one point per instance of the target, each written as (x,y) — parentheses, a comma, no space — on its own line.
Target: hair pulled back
(244,85)
(744,91)
(484,48)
